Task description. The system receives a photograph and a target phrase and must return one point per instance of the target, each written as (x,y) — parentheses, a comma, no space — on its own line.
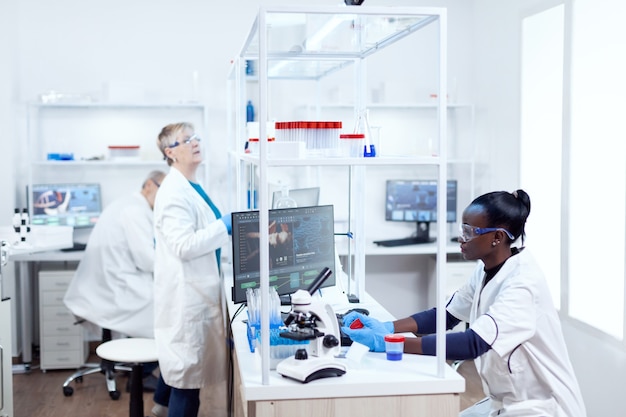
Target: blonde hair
(168,136)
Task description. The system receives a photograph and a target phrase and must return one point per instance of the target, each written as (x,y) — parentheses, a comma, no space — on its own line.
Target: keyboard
(77,247)
(403,242)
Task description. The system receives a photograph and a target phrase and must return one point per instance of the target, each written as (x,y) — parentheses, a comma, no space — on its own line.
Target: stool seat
(129,350)
(136,352)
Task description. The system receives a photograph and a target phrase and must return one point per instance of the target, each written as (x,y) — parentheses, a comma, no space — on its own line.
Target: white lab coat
(113,284)
(189,313)
(527,371)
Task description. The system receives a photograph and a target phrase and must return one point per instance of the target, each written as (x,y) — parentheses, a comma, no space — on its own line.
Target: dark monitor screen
(301,244)
(77,205)
(416,201)
(304,197)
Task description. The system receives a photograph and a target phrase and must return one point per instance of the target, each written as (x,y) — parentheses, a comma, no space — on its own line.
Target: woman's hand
(372,334)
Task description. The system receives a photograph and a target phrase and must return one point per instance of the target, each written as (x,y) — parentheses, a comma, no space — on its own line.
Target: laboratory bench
(372,387)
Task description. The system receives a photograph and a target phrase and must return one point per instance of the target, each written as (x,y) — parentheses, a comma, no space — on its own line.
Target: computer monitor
(301,244)
(78,205)
(416,201)
(304,197)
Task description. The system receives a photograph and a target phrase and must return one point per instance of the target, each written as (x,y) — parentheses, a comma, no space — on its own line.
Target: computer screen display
(301,244)
(416,201)
(77,205)
(304,197)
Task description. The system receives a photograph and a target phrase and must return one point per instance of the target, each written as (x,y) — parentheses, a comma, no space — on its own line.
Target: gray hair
(155,176)
(168,135)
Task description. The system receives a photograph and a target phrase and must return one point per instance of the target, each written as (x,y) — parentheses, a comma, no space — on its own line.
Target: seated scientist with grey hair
(113,284)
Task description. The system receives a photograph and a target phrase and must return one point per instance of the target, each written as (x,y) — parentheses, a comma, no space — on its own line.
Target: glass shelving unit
(312,43)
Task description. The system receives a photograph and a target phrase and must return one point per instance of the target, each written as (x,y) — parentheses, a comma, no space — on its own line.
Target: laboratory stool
(135,352)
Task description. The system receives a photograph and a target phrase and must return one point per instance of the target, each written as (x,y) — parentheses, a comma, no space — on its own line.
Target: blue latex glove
(372,334)
(369,323)
(228,222)
(368,337)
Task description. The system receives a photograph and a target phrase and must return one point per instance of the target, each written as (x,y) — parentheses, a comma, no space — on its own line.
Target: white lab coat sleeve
(510,320)
(460,304)
(178,225)
(139,234)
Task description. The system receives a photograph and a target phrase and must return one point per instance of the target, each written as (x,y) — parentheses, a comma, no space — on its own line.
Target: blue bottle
(249,112)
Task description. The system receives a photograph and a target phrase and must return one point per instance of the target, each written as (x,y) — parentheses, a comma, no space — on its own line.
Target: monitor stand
(423,233)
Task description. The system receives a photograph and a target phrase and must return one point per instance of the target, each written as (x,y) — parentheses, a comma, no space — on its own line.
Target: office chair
(105,367)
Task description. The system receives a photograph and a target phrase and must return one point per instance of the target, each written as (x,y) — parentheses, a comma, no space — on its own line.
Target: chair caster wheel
(68,391)
(115,395)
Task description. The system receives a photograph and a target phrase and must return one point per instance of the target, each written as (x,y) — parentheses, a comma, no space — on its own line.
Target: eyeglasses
(185,142)
(468,232)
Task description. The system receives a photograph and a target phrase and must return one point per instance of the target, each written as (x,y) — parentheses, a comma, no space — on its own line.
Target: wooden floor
(39,394)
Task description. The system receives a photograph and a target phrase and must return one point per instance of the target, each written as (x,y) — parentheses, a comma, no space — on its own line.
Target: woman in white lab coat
(189,321)
(515,334)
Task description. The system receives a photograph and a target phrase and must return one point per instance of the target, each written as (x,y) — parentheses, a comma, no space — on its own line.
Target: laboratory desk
(25,291)
(372,387)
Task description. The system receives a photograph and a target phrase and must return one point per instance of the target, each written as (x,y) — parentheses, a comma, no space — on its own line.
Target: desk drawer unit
(62,342)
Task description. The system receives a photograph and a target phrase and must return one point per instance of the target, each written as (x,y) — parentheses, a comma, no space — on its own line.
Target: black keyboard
(77,247)
(403,242)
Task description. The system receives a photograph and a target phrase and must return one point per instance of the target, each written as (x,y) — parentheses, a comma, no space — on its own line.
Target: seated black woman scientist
(514,335)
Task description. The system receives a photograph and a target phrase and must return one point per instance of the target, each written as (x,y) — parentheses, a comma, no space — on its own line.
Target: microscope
(315,321)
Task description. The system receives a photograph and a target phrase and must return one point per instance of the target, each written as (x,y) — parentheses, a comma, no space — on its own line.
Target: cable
(231,367)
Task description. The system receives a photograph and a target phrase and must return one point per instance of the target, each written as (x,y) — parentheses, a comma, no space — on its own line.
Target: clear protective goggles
(467,232)
(185,142)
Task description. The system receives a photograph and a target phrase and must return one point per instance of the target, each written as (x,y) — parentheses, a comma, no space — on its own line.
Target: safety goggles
(467,232)
(185,142)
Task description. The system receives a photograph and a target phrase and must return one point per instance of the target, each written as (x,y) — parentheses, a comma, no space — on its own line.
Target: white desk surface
(53,254)
(418,249)
(374,376)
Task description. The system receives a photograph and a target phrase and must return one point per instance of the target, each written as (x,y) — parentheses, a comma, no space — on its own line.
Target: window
(541,138)
(593,243)
(597,165)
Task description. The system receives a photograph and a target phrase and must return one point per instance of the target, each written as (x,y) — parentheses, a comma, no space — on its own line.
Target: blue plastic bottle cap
(371,153)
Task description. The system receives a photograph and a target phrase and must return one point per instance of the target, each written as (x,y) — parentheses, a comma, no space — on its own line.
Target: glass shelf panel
(312,43)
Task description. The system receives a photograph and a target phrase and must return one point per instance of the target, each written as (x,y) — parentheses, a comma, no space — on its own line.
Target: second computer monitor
(303,197)
(416,201)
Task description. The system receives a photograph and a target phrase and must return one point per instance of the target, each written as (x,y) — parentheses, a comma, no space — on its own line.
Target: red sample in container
(356,324)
